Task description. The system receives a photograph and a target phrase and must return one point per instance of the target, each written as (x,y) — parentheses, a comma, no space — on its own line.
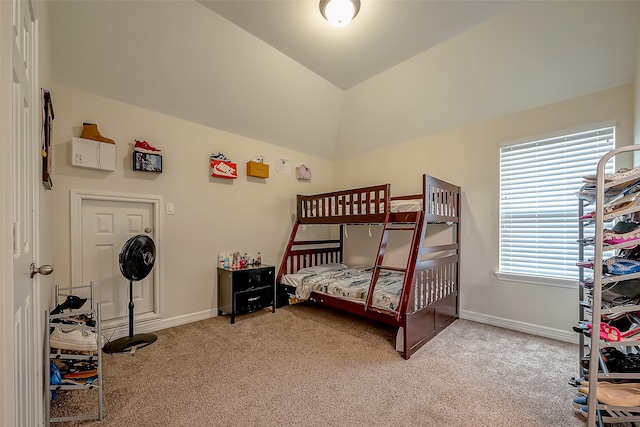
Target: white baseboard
(528,328)
(157,324)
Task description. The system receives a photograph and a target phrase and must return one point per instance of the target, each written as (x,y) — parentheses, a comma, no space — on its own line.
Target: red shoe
(145,147)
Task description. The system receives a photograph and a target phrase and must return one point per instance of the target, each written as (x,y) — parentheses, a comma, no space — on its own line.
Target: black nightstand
(243,290)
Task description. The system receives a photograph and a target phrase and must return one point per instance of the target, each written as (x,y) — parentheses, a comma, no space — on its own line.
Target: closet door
(28,328)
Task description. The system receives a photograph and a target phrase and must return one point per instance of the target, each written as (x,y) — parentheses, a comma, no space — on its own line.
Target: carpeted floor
(307,365)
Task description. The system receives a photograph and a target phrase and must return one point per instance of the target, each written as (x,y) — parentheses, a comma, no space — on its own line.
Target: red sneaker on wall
(145,147)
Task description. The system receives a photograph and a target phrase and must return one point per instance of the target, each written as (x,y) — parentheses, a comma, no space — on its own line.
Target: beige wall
(469,156)
(637,98)
(45,197)
(211,215)
(182,59)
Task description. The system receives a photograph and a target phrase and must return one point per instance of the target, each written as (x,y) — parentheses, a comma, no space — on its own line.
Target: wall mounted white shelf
(92,154)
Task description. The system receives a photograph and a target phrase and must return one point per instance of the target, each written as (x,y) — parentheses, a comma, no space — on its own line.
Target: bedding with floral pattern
(353,284)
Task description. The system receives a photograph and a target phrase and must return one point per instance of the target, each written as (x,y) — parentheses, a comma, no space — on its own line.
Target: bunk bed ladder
(283,265)
(417,228)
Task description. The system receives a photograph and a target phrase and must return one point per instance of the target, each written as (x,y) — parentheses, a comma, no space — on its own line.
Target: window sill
(537,280)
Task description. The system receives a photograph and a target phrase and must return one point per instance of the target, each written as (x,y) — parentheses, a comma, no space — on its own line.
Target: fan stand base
(126,344)
(131,342)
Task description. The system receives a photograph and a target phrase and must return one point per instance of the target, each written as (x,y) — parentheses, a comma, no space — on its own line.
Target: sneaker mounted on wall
(145,147)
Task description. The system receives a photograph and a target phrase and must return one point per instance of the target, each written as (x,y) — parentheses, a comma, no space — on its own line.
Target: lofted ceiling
(275,71)
(383,34)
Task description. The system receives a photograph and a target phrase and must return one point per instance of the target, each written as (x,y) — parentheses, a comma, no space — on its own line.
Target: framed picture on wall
(146,162)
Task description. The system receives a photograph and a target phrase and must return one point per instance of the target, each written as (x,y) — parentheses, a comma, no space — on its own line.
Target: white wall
(212,215)
(469,157)
(533,54)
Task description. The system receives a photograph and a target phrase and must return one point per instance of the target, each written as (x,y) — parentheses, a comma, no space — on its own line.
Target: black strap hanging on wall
(47,128)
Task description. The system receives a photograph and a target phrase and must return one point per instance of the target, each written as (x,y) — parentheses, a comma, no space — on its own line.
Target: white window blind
(538,203)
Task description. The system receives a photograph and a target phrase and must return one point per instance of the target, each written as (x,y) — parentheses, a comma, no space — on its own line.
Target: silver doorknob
(147,230)
(45,270)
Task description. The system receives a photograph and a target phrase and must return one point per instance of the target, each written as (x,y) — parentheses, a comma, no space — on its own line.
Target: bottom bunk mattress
(340,281)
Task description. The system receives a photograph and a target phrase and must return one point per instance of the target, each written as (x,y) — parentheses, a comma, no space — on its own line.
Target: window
(538,203)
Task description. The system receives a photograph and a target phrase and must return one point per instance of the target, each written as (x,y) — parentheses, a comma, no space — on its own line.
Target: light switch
(171,208)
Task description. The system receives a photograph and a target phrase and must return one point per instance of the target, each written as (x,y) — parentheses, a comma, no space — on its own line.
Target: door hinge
(16,238)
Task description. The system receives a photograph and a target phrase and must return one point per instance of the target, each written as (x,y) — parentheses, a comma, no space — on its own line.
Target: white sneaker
(74,339)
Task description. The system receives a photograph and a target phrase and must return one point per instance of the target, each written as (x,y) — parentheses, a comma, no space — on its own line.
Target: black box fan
(136,262)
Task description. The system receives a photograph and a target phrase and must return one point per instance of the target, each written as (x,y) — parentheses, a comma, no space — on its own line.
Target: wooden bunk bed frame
(429,300)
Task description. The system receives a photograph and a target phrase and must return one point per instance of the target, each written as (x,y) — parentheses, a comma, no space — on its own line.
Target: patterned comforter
(353,284)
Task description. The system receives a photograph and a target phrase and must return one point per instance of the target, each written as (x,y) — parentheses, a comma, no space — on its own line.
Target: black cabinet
(242,290)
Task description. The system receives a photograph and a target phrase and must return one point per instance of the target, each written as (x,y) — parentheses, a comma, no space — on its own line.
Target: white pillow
(317,269)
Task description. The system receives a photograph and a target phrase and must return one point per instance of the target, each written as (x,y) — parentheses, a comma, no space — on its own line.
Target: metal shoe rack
(94,358)
(600,414)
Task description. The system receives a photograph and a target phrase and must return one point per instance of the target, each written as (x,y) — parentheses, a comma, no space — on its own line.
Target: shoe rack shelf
(90,359)
(591,299)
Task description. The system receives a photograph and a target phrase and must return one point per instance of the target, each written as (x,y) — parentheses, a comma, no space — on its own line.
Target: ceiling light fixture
(339,12)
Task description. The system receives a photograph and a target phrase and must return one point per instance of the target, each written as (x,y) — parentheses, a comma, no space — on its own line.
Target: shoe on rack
(621,174)
(585,412)
(631,253)
(625,395)
(579,402)
(622,266)
(627,289)
(588,193)
(145,147)
(610,237)
(625,226)
(68,367)
(611,333)
(624,325)
(618,205)
(72,302)
(81,374)
(90,131)
(607,332)
(615,361)
(54,379)
(74,339)
(628,384)
(80,319)
(622,321)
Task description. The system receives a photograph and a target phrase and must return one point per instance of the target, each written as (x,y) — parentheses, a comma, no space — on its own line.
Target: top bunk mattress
(398,206)
(395,206)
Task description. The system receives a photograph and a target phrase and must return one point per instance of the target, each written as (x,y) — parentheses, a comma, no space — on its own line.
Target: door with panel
(105,227)
(28,330)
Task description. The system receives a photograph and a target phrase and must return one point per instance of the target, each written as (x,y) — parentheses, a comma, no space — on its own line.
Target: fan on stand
(136,261)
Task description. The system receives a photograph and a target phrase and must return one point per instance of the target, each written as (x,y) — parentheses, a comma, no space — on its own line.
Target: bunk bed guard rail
(354,206)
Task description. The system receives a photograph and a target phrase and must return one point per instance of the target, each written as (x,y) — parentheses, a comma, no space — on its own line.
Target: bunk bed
(426,290)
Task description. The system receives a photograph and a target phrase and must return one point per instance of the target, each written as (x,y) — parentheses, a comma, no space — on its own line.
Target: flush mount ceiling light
(339,12)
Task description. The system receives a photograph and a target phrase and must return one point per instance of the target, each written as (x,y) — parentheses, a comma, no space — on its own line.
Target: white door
(105,227)
(28,330)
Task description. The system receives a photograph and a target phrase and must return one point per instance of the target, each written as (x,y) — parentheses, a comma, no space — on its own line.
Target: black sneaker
(72,303)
